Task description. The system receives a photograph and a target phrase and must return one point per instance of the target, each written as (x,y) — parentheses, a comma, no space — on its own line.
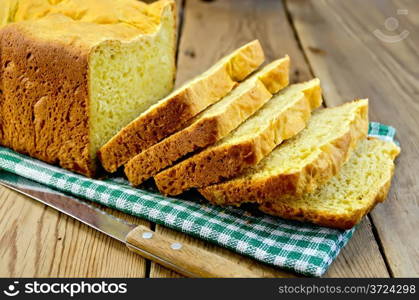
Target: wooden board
(339,41)
(38,241)
(211,30)
(360,257)
(337,45)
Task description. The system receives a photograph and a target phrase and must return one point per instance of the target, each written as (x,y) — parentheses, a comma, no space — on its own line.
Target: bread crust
(152,160)
(44,108)
(207,130)
(218,163)
(338,221)
(172,114)
(44,93)
(318,172)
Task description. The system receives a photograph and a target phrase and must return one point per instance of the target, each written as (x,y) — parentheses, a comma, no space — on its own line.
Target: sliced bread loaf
(281,118)
(341,203)
(212,124)
(170,113)
(74,72)
(300,164)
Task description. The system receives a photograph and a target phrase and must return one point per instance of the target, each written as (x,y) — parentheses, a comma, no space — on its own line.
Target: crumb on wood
(317,50)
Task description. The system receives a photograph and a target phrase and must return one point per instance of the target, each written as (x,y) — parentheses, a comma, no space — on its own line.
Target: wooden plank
(360,257)
(37,241)
(339,40)
(211,30)
(84,252)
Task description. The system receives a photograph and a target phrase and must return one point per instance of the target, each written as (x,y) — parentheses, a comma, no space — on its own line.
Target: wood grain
(38,241)
(211,30)
(193,261)
(360,257)
(352,62)
(256,269)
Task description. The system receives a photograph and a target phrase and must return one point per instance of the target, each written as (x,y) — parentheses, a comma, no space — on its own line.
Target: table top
(357,48)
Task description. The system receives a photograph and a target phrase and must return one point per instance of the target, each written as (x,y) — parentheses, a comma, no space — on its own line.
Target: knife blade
(180,257)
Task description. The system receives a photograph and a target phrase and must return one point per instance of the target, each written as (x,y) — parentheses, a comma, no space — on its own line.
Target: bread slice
(74,72)
(300,164)
(171,113)
(212,124)
(281,118)
(341,203)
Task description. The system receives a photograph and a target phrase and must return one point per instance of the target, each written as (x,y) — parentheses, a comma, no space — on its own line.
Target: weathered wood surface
(212,29)
(38,241)
(333,40)
(352,62)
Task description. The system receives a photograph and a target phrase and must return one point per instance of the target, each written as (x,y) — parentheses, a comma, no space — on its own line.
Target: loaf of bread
(74,72)
(301,164)
(171,113)
(279,119)
(341,203)
(212,124)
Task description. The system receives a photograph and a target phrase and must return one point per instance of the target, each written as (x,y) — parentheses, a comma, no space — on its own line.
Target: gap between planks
(229,23)
(339,41)
(38,241)
(300,46)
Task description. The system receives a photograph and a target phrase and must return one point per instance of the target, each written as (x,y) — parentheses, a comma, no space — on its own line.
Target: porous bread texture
(78,71)
(279,119)
(302,163)
(341,203)
(172,112)
(213,123)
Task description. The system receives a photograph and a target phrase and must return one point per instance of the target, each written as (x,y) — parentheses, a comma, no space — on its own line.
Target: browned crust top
(44,106)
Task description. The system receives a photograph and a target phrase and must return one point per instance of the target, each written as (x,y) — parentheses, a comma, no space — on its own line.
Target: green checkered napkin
(295,246)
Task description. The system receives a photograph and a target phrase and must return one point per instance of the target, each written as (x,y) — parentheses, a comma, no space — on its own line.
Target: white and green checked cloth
(300,247)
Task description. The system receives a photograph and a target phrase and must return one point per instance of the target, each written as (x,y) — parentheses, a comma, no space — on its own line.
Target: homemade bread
(279,119)
(212,124)
(301,164)
(341,203)
(171,113)
(77,71)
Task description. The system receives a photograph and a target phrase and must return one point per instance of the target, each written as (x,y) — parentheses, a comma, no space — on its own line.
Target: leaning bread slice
(170,114)
(362,182)
(281,118)
(300,164)
(212,124)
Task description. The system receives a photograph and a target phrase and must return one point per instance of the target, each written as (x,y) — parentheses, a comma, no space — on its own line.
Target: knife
(180,257)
